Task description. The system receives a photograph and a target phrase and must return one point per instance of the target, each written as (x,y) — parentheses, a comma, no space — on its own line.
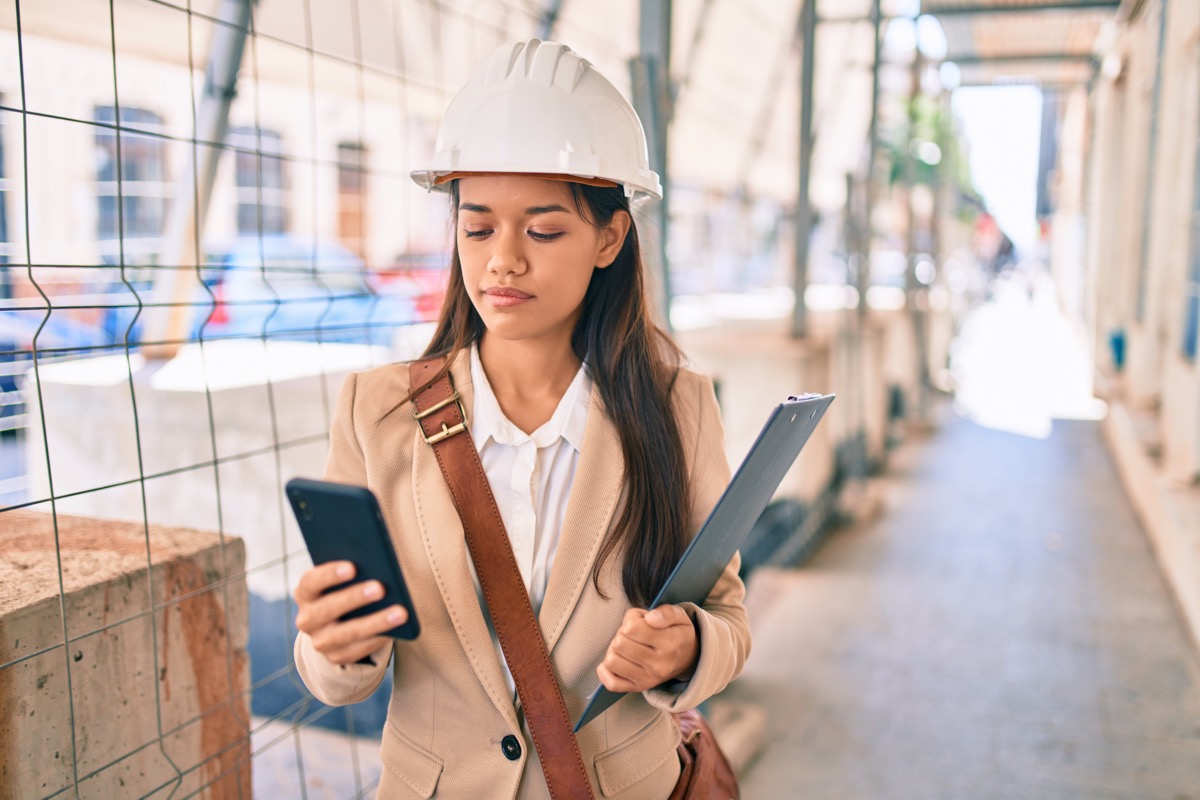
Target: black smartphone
(343,523)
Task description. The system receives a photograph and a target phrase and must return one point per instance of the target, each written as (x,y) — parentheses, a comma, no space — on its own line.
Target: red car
(422,278)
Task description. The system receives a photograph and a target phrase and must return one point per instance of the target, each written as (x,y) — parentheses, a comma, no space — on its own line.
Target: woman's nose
(506,256)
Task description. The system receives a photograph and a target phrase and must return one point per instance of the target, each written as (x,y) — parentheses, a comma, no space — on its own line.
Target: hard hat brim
(546,176)
(431,180)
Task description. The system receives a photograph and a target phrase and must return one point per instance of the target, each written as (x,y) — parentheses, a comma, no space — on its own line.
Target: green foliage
(925,148)
(927,144)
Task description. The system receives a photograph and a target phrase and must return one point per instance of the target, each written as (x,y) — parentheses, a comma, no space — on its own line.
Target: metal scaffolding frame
(183,229)
(653,99)
(804,216)
(955,8)
(549,19)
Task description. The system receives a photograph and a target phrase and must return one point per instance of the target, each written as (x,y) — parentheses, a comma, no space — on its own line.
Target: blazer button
(511,747)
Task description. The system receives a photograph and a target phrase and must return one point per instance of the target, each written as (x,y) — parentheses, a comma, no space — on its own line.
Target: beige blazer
(450,705)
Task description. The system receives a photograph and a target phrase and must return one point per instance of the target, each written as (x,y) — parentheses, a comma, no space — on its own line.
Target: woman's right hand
(318,613)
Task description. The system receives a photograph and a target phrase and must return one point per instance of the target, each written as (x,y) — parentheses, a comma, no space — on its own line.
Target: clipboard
(785,433)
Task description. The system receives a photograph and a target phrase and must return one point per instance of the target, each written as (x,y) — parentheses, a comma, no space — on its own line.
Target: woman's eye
(545,237)
(476,234)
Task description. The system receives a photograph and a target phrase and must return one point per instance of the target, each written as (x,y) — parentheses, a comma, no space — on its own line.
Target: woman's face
(527,255)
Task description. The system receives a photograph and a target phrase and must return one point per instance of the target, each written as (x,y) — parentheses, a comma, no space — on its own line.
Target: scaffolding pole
(549,19)
(864,273)
(168,321)
(808,39)
(653,99)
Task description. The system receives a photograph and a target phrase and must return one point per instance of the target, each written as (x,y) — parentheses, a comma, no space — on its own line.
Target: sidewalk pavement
(1003,631)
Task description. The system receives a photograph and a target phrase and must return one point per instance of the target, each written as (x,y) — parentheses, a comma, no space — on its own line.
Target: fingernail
(395,617)
(372,590)
(345,571)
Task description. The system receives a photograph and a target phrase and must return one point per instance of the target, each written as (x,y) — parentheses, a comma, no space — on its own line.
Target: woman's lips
(505,296)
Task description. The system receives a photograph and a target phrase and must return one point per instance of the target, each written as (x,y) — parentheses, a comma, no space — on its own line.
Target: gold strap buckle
(447,431)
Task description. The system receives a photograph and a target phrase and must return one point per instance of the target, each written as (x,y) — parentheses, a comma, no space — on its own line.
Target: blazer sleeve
(335,684)
(721,621)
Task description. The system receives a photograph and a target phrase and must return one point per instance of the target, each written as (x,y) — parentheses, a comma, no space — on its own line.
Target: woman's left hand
(650,648)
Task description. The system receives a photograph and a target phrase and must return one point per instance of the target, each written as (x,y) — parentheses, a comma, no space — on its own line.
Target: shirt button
(511,747)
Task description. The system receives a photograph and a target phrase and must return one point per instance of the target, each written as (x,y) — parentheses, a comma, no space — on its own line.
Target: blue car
(286,287)
(281,286)
(60,337)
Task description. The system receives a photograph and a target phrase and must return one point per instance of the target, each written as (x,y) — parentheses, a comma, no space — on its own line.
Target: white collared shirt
(530,475)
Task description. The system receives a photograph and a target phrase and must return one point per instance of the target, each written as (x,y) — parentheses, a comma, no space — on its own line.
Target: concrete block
(757,367)
(151,689)
(757,364)
(217,432)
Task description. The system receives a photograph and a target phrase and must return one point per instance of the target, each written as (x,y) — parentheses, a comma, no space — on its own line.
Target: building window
(352,196)
(130,186)
(262,205)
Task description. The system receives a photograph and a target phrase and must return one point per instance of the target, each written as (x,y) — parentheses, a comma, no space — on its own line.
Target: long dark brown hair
(634,364)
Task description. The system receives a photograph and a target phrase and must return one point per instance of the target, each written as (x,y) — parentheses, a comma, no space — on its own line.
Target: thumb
(667,616)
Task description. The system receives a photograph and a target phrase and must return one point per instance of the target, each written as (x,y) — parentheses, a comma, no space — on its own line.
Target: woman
(603,454)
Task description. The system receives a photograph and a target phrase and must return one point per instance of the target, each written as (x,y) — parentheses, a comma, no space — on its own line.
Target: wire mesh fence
(157,387)
(206,222)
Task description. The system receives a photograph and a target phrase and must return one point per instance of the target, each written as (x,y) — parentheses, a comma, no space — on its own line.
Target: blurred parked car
(283,286)
(61,337)
(287,287)
(421,277)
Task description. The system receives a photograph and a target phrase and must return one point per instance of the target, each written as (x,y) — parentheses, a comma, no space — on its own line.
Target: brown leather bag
(706,773)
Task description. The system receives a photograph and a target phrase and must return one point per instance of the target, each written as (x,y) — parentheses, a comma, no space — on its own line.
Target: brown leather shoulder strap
(444,423)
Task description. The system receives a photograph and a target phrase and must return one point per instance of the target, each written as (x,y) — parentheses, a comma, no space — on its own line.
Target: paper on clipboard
(785,433)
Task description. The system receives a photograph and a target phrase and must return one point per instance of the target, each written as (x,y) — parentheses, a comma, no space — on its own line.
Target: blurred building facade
(1125,243)
(1133,175)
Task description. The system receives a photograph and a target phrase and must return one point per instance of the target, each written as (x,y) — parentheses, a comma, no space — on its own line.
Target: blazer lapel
(595,494)
(446,547)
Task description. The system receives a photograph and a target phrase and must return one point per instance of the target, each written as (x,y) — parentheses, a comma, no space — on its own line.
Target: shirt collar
(568,421)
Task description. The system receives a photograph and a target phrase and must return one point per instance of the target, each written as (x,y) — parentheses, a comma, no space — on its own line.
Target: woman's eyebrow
(532,211)
(535,210)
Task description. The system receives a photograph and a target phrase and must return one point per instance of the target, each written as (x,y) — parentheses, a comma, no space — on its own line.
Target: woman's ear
(612,238)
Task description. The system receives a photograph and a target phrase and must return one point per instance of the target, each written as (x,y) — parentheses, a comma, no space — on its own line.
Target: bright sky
(1002,125)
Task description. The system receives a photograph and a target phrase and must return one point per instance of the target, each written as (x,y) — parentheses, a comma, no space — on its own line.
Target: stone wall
(152,688)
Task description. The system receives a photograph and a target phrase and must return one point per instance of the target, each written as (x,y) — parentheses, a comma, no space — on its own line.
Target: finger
(335,605)
(667,616)
(636,672)
(632,617)
(614,683)
(641,632)
(359,650)
(669,655)
(316,581)
(339,635)
(632,649)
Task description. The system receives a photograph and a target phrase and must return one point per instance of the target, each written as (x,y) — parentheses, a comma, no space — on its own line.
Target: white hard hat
(537,107)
